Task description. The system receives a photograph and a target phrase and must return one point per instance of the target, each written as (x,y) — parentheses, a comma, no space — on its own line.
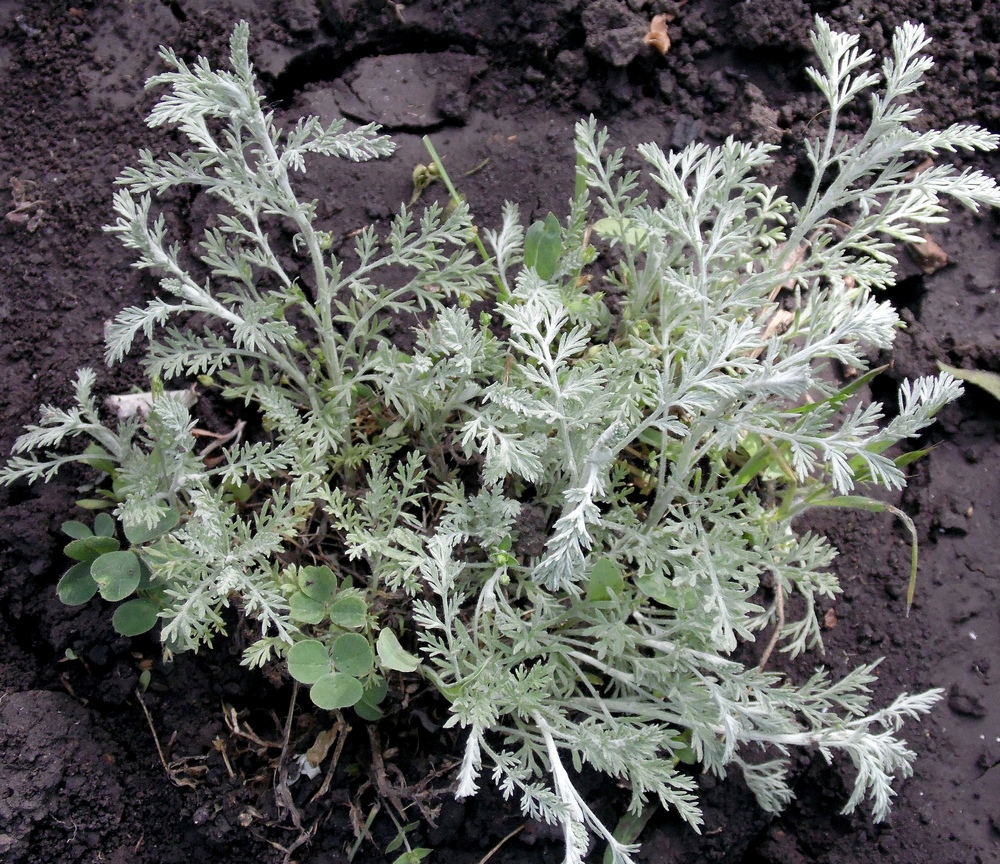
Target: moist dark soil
(498,86)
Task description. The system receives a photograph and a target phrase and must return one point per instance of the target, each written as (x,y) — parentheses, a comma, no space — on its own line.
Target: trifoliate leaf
(76,530)
(612,228)
(375,691)
(367,711)
(305,609)
(99,458)
(104,525)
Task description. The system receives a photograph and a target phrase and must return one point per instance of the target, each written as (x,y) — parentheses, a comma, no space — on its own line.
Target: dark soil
(499,86)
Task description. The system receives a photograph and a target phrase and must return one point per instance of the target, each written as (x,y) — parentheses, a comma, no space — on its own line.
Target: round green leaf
(612,228)
(349,612)
(663,591)
(605,579)
(305,609)
(142,533)
(116,574)
(308,661)
(93,504)
(657,587)
(353,655)
(135,617)
(392,655)
(543,246)
(99,458)
(686,755)
(239,492)
(145,575)
(76,586)
(318,583)
(104,525)
(375,690)
(76,530)
(90,548)
(336,690)
(367,711)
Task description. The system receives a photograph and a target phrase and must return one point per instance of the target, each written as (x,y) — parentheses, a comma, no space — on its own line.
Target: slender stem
(779,593)
(457,199)
(324,291)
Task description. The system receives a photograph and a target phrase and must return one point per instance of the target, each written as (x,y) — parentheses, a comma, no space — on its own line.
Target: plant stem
(458,200)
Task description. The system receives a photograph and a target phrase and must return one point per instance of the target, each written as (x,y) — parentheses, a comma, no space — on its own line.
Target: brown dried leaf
(35,220)
(928,256)
(793,260)
(778,323)
(830,619)
(919,169)
(321,746)
(26,211)
(657,35)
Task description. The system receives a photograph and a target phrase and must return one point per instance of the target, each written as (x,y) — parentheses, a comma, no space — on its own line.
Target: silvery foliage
(544,670)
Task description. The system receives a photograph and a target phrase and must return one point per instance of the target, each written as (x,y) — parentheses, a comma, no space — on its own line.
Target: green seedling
(412,855)
(104,568)
(423,176)
(341,667)
(543,248)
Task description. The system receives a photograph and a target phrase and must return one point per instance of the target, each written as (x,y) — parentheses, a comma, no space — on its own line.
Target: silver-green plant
(668,451)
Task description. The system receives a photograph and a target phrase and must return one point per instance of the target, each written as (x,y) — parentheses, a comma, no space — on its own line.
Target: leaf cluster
(662,454)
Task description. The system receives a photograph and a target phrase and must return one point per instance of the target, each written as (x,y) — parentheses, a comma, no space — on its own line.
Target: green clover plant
(665,451)
(104,568)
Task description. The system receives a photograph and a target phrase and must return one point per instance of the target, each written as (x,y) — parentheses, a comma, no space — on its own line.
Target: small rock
(272,58)
(721,89)
(614,33)
(454,101)
(540,832)
(300,16)
(965,703)
(341,15)
(988,758)
(686,130)
(572,64)
(667,84)
(764,123)
(928,256)
(409,91)
(950,520)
